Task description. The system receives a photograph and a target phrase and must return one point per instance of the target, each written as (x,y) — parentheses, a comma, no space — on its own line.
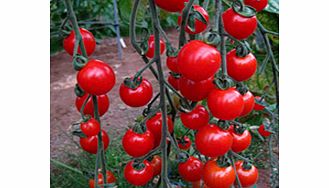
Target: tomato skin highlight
(240,141)
(198,61)
(151,47)
(247,177)
(241,68)
(258,107)
(225,104)
(154,124)
(138,177)
(172,64)
(263,132)
(171,5)
(238,26)
(87,38)
(191,169)
(137,144)
(173,81)
(185,144)
(259,5)
(137,97)
(249,103)
(96,77)
(212,141)
(216,176)
(109,177)
(91,127)
(195,119)
(89,144)
(196,91)
(103,104)
(156,164)
(199,26)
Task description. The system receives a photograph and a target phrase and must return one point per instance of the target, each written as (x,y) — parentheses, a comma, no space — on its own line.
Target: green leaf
(273,6)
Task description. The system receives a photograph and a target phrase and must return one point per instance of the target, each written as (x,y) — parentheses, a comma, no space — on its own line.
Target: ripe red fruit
(191,169)
(103,104)
(137,97)
(240,68)
(263,132)
(90,127)
(87,38)
(151,47)
(154,124)
(137,144)
(249,103)
(196,91)
(156,164)
(259,5)
(90,144)
(195,119)
(240,141)
(171,5)
(258,106)
(199,26)
(217,176)
(247,177)
(185,143)
(173,81)
(110,178)
(172,64)
(138,177)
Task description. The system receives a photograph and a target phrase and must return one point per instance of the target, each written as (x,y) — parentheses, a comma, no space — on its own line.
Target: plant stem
(219,11)
(185,14)
(236,174)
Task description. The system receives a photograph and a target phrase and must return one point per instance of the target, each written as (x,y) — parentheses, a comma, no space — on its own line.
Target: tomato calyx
(175,75)
(186,107)
(78,91)
(171,52)
(133,83)
(182,157)
(242,50)
(223,82)
(211,38)
(239,129)
(223,162)
(246,165)
(79,62)
(242,88)
(224,125)
(192,17)
(138,128)
(138,165)
(243,10)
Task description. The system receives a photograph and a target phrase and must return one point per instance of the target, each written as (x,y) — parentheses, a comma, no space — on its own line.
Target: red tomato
(137,97)
(151,45)
(216,176)
(259,106)
(225,104)
(249,103)
(195,119)
(198,61)
(173,81)
(156,164)
(191,170)
(196,91)
(87,38)
(184,144)
(240,141)
(154,124)
(109,177)
(263,132)
(171,5)
(138,144)
(238,26)
(172,64)
(259,5)
(90,127)
(241,68)
(90,144)
(212,141)
(96,77)
(247,177)
(138,177)
(103,104)
(198,25)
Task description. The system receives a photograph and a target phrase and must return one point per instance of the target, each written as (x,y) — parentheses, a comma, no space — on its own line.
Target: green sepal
(79,62)
(243,10)
(79,133)
(133,83)
(223,82)
(246,165)
(242,50)
(242,88)
(211,38)
(78,91)
(138,165)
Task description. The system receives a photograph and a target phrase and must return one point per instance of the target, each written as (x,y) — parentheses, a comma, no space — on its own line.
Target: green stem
(185,14)
(83,106)
(236,174)
(146,66)
(219,11)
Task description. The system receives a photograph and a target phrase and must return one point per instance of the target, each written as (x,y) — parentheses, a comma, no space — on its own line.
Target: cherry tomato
(87,38)
(212,141)
(90,144)
(172,64)
(240,141)
(198,25)
(191,169)
(195,119)
(103,104)
(154,124)
(216,176)
(249,103)
(156,164)
(247,177)
(258,106)
(173,81)
(196,90)
(259,5)
(171,5)
(151,47)
(263,132)
(96,77)
(137,144)
(240,68)
(138,177)
(137,97)
(90,127)
(109,177)
(225,104)
(238,26)
(198,61)
(185,144)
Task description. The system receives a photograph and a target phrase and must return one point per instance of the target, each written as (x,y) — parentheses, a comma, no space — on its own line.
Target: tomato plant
(196,20)
(110,179)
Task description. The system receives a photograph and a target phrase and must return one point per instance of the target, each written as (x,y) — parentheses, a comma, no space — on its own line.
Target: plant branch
(185,15)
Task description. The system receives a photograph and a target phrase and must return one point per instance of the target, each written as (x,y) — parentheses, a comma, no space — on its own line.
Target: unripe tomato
(137,144)
(225,104)
(212,141)
(258,107)
(263,132)
(102,100)
(87,38)
(172,64)
(184,144)
(196,90)
(171,5)
(173,81)
(110,178)
(191,169)
(96,77)
(137,97)
(198,25)
(90,144)
(238,26)
(240,141)
(151,47)
(241,68)
(154,124)
(90,127)
(156,164)
(216,176)
(259,5)
(198,61)
(138,177)
(249,103)
(247,177)
(195,119)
